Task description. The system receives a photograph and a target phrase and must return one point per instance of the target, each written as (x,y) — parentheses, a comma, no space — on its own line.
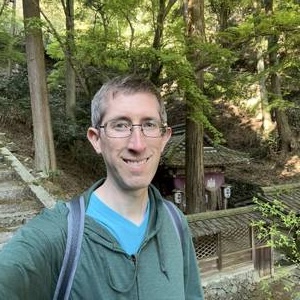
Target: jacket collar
(156,206)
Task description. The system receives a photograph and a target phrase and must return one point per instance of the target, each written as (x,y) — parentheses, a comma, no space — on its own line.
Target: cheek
(109,151)
(163,145)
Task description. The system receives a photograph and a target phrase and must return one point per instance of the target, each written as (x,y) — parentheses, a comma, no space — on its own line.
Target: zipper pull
(133,258)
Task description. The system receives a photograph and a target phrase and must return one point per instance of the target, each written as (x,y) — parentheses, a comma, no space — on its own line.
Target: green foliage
(16,86)
(65,131)
(280,103)
(180,72)
(10,49)
(280,225)
(11,40)
(122,43)
(237,35)
(112,6)
(116,37)
(34,23)
(281,286)
(15,100)
(55,51)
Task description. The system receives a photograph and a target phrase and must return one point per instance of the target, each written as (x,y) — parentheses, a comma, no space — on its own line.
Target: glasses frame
(163,130)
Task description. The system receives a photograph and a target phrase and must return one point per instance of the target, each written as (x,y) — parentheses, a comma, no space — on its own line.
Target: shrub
(281,226)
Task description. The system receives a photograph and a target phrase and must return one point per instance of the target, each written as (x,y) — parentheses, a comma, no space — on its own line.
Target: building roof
(214,155)
(214,222)
(287,194)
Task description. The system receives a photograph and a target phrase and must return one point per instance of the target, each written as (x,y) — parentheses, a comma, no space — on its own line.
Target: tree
(68,6)
(261,45)
(147,37)
(287,140)
(3,4)
(45,159)
(68,47)
(10,52)
(263,42)
(12,32)
(195,33)
(162,13)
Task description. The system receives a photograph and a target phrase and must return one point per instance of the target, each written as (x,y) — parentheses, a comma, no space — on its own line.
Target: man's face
(131,162)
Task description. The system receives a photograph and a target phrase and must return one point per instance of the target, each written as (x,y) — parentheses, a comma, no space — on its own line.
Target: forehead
(138,105)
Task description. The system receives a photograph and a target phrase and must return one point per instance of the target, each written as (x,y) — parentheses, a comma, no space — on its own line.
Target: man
(130,248)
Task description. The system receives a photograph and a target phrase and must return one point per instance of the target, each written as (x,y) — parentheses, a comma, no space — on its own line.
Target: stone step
(25,204)
(6,234)
(7,174)
(17,218)
(4,163)
(2,157)
(20,197)
(12,190)
(16,211)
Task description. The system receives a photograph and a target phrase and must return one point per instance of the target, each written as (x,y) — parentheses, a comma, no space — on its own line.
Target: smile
(136,162)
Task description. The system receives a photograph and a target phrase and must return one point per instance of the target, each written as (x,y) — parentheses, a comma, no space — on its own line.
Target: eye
(120,125)
(150,125)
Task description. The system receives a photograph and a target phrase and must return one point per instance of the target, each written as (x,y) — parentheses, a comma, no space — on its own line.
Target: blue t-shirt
(129,235)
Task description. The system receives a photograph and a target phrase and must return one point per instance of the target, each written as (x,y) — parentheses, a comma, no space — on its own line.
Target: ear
(94,138)
(165,138)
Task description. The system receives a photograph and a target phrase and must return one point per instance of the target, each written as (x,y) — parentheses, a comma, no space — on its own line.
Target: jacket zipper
(133,259)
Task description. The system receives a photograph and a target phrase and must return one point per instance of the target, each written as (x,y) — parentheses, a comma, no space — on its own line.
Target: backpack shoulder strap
(176,219)
(74,238)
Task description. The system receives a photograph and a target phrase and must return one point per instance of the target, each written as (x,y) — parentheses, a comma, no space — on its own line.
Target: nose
(137,140)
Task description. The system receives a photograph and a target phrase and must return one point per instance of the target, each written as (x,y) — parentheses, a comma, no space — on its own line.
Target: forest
(228,70)
(203,55)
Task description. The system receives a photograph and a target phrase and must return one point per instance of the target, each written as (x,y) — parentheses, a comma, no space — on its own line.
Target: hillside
(241,133)
(69,179)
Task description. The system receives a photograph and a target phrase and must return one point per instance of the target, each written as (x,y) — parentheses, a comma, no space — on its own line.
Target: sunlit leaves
(280,225)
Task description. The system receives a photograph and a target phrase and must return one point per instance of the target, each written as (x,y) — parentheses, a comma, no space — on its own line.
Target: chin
(137,185)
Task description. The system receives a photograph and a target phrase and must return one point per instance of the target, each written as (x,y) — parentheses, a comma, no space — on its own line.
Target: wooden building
(285,214)
(287,194)
(226,240)
(171,178)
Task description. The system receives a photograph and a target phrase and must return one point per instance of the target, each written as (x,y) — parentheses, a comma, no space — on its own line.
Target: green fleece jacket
(161,270)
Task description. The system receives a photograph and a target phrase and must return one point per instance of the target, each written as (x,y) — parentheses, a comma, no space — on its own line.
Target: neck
(131,205)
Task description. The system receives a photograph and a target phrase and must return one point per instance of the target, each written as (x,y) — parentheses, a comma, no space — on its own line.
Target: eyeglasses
(124,128)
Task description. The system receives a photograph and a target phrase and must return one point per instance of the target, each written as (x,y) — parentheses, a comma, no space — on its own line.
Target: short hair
(130,84)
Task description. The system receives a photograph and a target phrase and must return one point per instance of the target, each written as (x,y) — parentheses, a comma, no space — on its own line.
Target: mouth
(136,162)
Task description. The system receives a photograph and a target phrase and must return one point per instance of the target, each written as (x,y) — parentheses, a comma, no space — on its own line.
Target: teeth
(136,162)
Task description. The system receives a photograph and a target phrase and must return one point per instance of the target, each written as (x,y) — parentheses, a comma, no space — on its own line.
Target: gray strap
(73,246)
(176,219)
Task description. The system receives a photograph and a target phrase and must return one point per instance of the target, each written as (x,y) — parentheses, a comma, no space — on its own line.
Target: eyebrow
(129,120)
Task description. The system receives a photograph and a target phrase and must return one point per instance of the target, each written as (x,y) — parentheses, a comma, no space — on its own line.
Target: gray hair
(130,84)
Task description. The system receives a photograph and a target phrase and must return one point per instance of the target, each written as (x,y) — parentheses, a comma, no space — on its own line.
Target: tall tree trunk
(163,11)
(12,32)
(267,125)
(222,9)
(4,3)
(195,190)
(287,142)
(70,72)
(45,159)
(75,64)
